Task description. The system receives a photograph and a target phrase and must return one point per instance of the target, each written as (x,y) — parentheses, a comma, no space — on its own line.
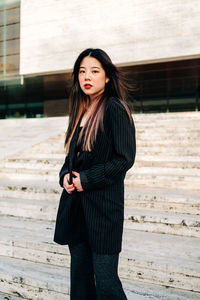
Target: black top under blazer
(102,174)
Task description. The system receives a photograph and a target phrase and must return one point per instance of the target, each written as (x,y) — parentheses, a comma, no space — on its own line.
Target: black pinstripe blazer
(102,177)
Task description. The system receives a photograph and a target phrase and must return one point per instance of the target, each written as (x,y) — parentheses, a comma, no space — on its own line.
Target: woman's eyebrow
(92,67)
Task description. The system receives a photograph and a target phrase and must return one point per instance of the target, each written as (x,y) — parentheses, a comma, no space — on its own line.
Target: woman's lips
(87,86)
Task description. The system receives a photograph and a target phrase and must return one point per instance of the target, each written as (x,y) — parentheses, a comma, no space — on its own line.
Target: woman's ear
(107,79)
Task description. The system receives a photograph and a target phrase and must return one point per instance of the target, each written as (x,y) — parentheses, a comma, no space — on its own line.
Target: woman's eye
(81,71)
(95,71)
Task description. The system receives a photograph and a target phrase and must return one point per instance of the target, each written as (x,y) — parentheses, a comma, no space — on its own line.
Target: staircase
(161,239)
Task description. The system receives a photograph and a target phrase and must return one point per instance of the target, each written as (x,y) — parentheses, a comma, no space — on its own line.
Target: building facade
(156,42)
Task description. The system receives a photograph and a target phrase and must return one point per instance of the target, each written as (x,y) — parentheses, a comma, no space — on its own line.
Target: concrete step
(5,296)
(137,219)
(188,182)
(190,164)
(182,147)
(161,199)
(168,168)
(30,190)
(165,152)
(54,159)
(43,155)
(162,157)
(159,142)
(54,284)
(161,117)
(140,167)
(182,180)
(173,200)
(165,128)
(46,145)
(162,222)
(170,137)
(143,133)
(40,210)
(30,174)
(27,163)
(33,280)
(148,257)
(167,123)
(142,155)
(44,150)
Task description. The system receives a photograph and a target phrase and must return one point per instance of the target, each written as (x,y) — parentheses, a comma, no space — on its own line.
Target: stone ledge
(169,260)
(188,165)
(5,296)
(52,283)
(148,220)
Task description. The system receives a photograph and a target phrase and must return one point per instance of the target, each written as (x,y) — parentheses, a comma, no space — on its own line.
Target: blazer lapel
(72,148)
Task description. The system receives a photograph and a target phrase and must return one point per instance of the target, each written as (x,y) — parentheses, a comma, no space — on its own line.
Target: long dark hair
(79,102)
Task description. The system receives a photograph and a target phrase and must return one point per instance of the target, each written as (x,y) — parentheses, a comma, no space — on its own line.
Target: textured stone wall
(53,32)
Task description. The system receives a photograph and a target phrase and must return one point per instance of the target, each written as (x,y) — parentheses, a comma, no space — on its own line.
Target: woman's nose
(87,75)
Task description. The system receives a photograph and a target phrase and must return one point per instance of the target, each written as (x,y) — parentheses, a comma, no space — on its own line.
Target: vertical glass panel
(1,48)
(1,18)
(12,47)
(12,15)
(9,3)
(1,33)
(12,63)
(1,65)
(12,31)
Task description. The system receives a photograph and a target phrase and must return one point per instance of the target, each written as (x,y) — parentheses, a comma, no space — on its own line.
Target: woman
(100,148)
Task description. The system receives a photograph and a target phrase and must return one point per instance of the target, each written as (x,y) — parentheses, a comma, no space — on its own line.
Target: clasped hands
(76,183)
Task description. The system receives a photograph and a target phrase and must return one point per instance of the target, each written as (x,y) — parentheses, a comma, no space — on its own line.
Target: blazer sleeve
(64,170)
(124,150)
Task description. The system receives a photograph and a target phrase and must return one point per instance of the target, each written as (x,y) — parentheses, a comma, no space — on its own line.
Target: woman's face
(92,77)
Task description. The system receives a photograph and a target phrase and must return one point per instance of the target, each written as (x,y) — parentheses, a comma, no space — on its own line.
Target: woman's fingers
(75,185)
(66,179)
(75,173)
(68,187)
(77,181)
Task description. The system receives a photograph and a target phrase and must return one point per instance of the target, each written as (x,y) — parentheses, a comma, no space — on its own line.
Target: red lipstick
(87,86)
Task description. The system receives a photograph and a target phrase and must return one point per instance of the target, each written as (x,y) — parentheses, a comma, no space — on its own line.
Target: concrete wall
(132,31)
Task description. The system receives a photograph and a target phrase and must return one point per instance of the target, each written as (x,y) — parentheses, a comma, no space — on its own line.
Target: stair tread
(56,279)
(22,203)
(4,182)
(174,217)
(152,158)
(5,296)
(191,195)
(48,276)
(144,246)
(172,192)
(162,214)
(154,175)
(137,173)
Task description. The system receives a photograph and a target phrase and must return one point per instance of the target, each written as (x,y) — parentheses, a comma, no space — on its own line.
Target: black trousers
(94,276)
